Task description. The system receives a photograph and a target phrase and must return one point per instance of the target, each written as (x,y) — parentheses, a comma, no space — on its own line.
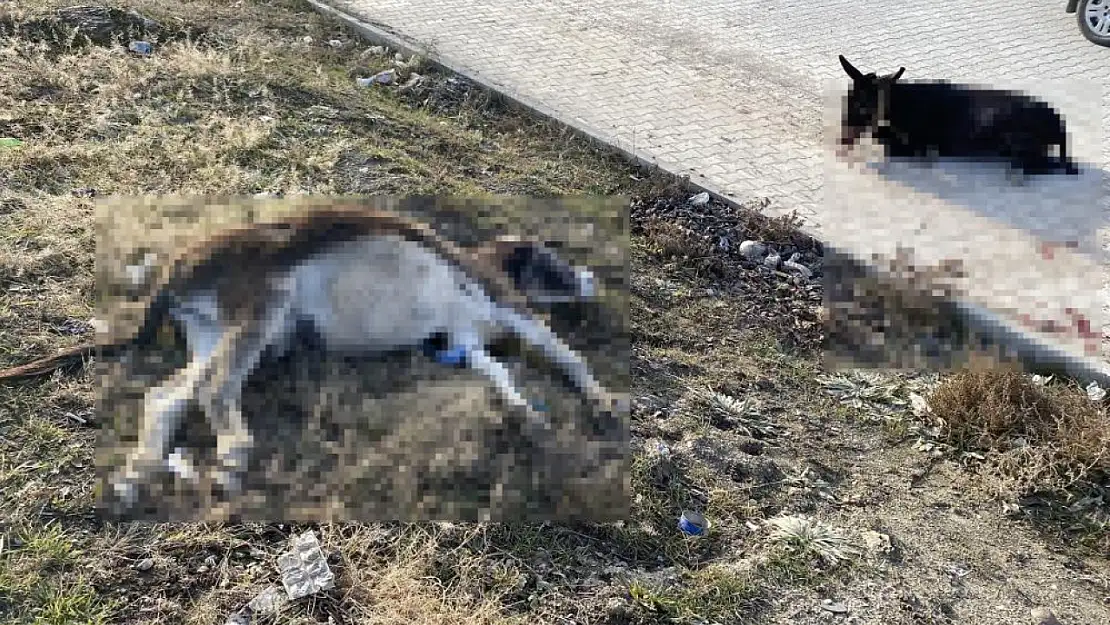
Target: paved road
(732,92)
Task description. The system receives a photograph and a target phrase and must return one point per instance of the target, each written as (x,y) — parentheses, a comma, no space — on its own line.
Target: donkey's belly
(380,295)
(380,321)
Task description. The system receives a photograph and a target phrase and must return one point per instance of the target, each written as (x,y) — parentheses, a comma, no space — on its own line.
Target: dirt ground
(832,496)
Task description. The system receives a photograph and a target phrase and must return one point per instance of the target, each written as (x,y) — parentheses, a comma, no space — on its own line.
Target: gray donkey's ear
(898,74)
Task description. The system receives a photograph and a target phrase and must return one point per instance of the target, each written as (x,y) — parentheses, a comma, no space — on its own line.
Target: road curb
(1036,355)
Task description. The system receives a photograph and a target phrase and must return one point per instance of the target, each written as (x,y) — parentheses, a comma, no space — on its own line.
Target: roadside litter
(701,199)
(304,571)
(141,48)
(381,78)
(1095,392)
(304,568)
(692,523)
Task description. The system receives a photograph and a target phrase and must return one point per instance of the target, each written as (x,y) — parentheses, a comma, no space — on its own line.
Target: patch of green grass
(715,592)
(75,602)
(39,577)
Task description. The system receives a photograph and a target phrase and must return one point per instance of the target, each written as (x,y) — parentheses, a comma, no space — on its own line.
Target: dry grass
(1037,440)
(998,407)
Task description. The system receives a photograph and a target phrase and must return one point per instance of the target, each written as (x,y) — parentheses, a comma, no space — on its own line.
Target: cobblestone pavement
(731,92)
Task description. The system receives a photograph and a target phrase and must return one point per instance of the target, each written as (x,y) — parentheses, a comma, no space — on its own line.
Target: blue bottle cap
(692,523)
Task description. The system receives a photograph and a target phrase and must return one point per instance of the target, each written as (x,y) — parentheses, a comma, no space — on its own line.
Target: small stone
(798,268)
(752,250)
(829,605)
(616,606)
(877,542)
(145,564)
(701,199)
(414,80)
(1044,616)
(335,43)
(306,39)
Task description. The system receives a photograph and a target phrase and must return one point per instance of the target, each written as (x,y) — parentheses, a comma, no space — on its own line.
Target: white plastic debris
(266,603)
(1095,392)
(1041,380)
(304,568)
(772,261)
(798,268)
(141,48)
(381,78)
(701,199)
(335,43)
(414,80)
(269,601)
(919,405)
(752,250)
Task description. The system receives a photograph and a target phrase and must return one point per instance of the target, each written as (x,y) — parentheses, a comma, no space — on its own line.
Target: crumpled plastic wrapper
(304,568)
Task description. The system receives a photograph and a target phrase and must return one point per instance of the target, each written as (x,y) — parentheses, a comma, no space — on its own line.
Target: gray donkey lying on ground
(367,281)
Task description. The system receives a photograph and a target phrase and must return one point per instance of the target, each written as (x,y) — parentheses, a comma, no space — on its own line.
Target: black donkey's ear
(850,70)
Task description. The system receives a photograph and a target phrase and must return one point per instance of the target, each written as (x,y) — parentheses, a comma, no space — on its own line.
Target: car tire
(1100,10)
